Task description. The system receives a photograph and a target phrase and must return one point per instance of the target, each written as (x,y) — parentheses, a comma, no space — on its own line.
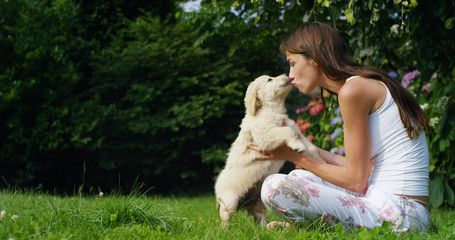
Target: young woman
(384,174)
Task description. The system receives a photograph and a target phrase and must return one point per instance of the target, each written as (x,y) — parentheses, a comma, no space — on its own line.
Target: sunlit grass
(141,216)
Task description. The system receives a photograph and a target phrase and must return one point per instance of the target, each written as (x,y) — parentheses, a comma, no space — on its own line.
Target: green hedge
(103,103)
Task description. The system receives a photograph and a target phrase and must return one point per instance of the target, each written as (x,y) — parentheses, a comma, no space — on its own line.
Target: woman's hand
(283,152)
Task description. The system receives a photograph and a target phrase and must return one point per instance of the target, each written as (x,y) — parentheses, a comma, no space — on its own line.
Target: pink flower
(408,78)
(425,87)
(303,125)
(316,109)
(301,110)
(310,137)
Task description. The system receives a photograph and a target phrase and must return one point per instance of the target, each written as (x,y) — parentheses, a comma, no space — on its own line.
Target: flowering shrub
(323,127)
(434,96)
(408,78)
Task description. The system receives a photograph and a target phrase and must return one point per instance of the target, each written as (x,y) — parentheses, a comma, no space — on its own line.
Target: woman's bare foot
(278,225)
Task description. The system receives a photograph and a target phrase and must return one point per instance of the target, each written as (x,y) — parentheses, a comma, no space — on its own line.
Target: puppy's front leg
(271,138)
(311,149)
(295,142)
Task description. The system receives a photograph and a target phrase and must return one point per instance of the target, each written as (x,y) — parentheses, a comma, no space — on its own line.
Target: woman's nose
(291,74)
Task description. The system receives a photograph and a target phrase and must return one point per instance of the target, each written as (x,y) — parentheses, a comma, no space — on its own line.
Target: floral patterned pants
(302,196)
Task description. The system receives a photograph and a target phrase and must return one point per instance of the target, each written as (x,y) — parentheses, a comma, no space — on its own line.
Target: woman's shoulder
(357,87)
(365,91)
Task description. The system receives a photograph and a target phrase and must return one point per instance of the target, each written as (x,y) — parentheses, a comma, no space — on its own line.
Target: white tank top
(401,164)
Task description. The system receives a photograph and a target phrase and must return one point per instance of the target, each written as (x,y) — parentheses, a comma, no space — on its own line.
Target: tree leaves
(436,191)
(350,16)
(440,190)
(448,24)
(450,195)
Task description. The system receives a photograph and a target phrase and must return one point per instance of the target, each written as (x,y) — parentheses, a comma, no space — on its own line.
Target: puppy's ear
(252,100)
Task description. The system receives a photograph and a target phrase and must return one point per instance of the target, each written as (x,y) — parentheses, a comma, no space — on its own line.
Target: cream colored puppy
(267,126)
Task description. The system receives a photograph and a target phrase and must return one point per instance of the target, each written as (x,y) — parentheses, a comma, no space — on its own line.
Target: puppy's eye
(269,80)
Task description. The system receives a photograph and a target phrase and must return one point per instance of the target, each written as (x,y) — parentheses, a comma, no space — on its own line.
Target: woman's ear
(312,62)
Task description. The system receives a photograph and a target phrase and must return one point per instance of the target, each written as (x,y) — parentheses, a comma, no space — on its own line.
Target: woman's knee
(271,186)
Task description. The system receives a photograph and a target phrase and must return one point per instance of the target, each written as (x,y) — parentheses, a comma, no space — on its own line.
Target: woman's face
(304,72)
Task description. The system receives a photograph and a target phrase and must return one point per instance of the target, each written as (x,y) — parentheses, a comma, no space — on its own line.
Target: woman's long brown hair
(325,46)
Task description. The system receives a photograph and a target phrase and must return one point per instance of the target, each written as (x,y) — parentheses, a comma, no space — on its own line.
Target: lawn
(35,215)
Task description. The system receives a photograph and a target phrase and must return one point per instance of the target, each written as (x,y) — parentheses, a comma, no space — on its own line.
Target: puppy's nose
(286,74)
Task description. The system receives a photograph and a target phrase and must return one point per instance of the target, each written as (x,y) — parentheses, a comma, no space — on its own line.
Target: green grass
(138,216)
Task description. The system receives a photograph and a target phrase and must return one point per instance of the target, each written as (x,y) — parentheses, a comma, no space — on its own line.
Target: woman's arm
(356,98)
(332,158)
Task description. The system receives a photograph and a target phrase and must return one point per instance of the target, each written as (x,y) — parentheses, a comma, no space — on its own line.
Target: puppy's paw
(297,146)
(225,224)
(299,150)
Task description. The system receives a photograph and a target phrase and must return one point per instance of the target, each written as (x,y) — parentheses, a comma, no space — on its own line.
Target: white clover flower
(2,215)
(101,194)
(14,217)
(434,121)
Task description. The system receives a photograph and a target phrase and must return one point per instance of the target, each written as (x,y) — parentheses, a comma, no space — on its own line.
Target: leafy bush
(89,97)
(175,94)
(433,38)
(40,118)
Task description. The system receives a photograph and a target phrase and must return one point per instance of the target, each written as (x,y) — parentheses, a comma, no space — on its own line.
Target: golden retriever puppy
(267,126)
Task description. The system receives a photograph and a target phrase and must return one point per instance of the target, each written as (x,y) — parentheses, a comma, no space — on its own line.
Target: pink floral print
(311,189)
(387,214)
(351,201)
